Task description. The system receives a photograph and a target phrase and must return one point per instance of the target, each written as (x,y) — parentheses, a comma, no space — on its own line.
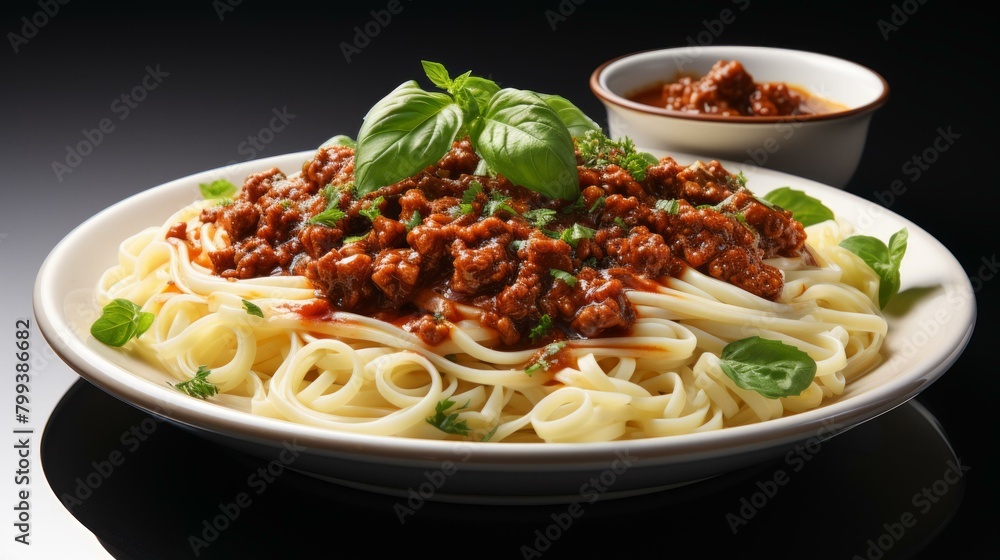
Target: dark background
(227,69)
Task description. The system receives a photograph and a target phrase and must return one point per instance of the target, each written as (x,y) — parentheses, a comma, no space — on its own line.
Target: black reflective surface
(231,65)
(888,488)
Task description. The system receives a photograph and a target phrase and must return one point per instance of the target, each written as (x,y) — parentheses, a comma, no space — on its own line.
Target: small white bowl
(823,147)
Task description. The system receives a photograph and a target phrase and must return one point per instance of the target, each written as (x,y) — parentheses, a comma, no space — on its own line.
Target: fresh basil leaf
(459,82)
(897,247)
(575,120)
(804,208)
(525,141)
(340,140)
(219,188)
(770,367)
(481,89)
(885,261)
(402,134)
(253,309)
(121,321)
(437,74)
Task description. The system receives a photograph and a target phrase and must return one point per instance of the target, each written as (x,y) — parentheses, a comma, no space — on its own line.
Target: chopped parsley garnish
(566,277)
(252,309)
(572,235)
(540,217)
(198,386)
(469,196)
(373,211)
(329,217)
(542,328)
(489,435)
(738,181)
(356,238)
(498,202)
(448,423)
(577,205)
(415,220)
(219,188)
(543,363)
(330,190)
(598,151)
(670,206)
(598,204)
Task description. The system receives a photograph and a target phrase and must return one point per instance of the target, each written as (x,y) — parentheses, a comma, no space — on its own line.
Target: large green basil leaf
(402,134)
(885,261)
(770,367)
(524,140)
(575,120)
(804,208)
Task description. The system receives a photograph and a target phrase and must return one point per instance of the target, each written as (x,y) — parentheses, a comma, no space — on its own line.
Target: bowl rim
(609,97)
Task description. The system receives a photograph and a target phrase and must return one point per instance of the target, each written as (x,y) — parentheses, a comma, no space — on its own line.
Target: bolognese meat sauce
(485,242)
(728,90)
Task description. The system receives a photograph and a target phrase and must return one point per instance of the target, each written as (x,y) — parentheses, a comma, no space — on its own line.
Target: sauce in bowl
(729,90)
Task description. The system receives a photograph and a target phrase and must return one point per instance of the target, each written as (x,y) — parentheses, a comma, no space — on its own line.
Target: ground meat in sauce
(421,242)
(729,90)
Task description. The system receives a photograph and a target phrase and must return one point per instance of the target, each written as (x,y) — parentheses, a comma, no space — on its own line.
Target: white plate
(930,323)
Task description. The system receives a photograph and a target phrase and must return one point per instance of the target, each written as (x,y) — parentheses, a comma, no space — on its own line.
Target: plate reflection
(150,490)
